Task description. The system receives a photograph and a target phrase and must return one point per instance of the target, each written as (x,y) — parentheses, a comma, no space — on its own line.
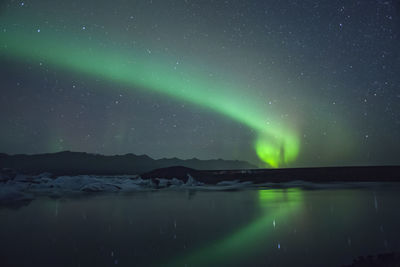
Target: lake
(250,227)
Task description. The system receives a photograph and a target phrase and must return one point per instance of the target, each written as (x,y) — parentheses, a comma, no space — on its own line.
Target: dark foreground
(247,227)
(178,216)
(258,176)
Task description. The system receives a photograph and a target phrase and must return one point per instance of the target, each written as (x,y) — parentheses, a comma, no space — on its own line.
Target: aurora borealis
(277,84)
(246,239)
(275,146)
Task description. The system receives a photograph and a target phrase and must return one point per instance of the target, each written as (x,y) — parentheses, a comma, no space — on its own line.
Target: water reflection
(272,227)
(274,205)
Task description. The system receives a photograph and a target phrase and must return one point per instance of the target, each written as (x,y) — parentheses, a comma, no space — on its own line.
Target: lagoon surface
(250,227)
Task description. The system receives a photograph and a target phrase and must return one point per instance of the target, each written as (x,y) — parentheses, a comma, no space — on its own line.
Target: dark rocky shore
(206,171)
(257,176)
(17,185)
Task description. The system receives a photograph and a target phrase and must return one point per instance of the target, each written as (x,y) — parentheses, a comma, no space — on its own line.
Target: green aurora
(274,204)
(276,144)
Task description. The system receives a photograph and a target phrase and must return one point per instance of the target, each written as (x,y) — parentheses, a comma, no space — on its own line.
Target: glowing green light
(246,240)
(276,145)
(277,153)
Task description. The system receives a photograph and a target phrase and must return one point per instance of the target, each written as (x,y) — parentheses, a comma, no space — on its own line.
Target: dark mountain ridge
(76,163)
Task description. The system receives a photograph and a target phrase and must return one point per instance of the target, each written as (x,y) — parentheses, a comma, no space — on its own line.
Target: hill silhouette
(76,163)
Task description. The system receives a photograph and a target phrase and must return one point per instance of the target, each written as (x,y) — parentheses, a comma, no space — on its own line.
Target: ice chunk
(191,181)
(10,194)
(228,182)
(100,187)
(7,174)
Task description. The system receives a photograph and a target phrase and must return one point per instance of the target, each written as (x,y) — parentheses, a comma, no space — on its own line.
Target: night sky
(276,83)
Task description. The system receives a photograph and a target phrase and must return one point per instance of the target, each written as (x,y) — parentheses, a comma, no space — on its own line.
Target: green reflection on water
(275,205)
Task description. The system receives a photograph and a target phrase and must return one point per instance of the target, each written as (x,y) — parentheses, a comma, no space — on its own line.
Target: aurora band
(275,145)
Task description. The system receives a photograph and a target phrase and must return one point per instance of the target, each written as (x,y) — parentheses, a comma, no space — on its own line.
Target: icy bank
(19,188)
(25,188)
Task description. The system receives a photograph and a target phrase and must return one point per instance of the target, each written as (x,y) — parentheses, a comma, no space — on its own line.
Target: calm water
(274,227)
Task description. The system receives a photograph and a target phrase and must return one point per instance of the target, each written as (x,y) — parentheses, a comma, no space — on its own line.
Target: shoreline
(16,187)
